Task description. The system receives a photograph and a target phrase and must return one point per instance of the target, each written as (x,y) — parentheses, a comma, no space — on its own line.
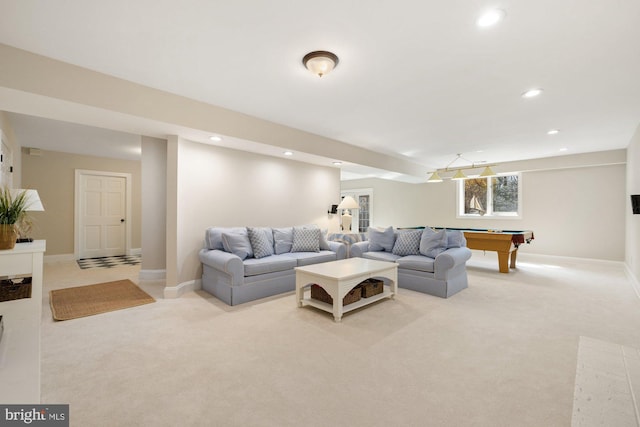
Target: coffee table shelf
(337,278)
(386,293)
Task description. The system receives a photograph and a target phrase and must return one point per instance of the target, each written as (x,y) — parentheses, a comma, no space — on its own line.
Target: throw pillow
(433,243)
(259,242)
(306,239)
(283,238)
(324,244)
(237,244)
(381,240)
(407,243)
(456,239)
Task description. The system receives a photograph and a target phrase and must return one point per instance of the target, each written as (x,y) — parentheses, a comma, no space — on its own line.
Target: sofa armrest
(450,259)
(223,261)
(339,248)
(358,248)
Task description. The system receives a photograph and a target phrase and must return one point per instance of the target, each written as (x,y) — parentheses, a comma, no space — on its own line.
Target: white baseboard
(135,251)
(153,274)
(635,283)
(59,258)
(531,256)
(182,288)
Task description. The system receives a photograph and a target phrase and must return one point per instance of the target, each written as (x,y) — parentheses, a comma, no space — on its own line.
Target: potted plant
(13,209)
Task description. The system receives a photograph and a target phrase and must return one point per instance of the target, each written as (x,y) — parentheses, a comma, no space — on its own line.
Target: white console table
(20,343)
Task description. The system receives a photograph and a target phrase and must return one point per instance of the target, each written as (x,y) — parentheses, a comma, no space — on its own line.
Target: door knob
(122,220)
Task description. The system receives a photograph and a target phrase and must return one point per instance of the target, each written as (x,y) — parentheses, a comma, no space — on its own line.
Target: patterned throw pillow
(306,240)
(237,244)
(433,243)
(259,242)
(381,240)
(407,243)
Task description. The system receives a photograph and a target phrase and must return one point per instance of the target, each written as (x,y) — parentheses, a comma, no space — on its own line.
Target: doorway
(102,213)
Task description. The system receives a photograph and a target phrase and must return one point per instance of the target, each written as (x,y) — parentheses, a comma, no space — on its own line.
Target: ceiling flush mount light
(459,174)
(490,18)
(553,132)
(288,153)
(320,62)
(532,93)
(215,138)
(337,163)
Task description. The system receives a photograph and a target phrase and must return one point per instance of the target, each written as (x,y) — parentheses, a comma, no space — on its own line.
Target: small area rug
(81,301)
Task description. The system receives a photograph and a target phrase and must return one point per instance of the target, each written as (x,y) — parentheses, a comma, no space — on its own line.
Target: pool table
(505,242)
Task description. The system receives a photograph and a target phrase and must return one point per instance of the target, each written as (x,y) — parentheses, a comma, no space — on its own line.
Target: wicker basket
(12,289)
(317,292)
(371,287)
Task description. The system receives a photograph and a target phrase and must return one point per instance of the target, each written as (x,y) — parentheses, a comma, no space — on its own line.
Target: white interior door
(102,215)
(6,164)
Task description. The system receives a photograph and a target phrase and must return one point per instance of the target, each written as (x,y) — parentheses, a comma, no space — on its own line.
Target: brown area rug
(71,303)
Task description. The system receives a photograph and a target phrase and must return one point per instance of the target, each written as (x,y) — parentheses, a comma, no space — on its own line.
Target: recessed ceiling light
(490,18)
(564,149)
(288,153)
(337,163)
(553,132)
(215,138)
(532,93)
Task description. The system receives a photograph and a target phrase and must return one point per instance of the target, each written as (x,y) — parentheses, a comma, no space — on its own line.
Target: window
(490,197)
(363,217)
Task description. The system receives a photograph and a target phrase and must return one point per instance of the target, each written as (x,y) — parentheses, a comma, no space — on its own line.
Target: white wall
(632,257)
(223,187)
(576,212)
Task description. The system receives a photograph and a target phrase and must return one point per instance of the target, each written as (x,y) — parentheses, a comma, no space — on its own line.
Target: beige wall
(7,130)
(53,175)
(222,187)
(632,257)
(577,212)
(154,203)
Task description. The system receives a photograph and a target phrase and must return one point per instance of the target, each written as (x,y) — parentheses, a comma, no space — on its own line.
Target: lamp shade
(459,175)
(348,203)
(434,177)
(487,172)
(32,199)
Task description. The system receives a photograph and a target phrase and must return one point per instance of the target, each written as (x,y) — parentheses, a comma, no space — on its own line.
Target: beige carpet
(82,301)
(502,353)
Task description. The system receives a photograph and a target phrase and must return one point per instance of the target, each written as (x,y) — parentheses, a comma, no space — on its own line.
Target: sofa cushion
(283,238)
(261,241)
(308,258)
(416,262)
(270,264)
(306,239)
(237,244)
(407,243)
(456,239)
(381,240)
(381,256)
(213,236)
(433,243)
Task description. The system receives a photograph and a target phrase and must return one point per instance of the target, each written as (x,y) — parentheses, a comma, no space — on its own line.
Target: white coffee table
(339,277)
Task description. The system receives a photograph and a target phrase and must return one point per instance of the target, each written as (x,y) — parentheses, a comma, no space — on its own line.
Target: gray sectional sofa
(429,261)
(241,264)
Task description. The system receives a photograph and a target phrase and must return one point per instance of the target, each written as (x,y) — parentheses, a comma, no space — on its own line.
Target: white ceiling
(416,79)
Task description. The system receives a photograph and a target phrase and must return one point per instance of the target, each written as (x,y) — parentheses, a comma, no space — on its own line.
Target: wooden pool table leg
(514,254)
(503,262)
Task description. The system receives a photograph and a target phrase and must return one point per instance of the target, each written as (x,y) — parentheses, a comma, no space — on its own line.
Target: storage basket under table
(371,287)
(16,288)
(317,292)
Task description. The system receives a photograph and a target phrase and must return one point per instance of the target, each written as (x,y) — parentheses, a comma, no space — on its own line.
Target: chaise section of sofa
(238,269)
(428,261)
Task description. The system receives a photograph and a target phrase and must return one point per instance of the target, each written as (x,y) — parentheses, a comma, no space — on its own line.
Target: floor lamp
(347,203)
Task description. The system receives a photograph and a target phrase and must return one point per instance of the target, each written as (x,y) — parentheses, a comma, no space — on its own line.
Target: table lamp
(32,204)
(347,203)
